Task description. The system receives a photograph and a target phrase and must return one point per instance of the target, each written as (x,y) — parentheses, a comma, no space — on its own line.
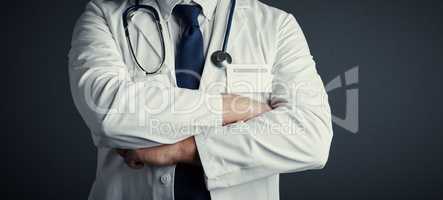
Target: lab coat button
(165,179)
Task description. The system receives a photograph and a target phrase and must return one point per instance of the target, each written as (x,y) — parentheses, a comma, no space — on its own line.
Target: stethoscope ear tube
(220,58)
(156,17)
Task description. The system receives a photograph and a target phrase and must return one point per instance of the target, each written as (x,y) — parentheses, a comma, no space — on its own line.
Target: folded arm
(128,114)
(294,136)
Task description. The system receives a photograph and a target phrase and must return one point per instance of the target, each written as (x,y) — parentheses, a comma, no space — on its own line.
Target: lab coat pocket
(253,81)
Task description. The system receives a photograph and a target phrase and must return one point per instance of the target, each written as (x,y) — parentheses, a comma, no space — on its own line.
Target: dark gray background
(396,155)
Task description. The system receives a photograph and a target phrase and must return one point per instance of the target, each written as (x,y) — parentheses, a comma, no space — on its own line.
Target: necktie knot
(188,13)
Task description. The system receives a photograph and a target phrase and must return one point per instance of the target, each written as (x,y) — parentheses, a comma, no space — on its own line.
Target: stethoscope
(220,58)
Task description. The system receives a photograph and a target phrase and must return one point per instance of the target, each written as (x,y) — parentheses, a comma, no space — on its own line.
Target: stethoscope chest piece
(221,58)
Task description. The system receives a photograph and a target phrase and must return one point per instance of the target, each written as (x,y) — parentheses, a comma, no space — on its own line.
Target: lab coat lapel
(213,78)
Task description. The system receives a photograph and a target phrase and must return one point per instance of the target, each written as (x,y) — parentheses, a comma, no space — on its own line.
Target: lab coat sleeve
(121,112)
(295,136)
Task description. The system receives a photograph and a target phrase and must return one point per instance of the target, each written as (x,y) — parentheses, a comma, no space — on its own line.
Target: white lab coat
(126,109)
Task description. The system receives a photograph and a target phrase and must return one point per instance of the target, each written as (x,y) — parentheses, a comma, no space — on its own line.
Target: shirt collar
(208,6)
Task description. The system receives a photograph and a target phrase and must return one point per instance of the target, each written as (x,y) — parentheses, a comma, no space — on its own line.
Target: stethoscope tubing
(228,26)
(220,58)
(156,17)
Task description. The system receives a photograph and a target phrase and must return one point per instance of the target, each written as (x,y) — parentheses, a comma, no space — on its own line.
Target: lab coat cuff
(217,175)
(210,166)
(213,165)
(205,157)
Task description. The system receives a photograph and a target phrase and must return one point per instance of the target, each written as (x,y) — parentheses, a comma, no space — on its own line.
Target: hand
(237,108)
(169,154)
(188,152)
(160,155)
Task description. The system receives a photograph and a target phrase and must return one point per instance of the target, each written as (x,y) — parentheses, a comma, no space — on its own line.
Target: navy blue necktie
(189,60)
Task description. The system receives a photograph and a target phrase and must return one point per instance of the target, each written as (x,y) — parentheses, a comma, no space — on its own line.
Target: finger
(133,161)
(122,152)
(135,164)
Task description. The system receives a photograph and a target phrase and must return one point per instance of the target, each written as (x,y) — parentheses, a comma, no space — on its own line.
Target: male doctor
(194,130)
